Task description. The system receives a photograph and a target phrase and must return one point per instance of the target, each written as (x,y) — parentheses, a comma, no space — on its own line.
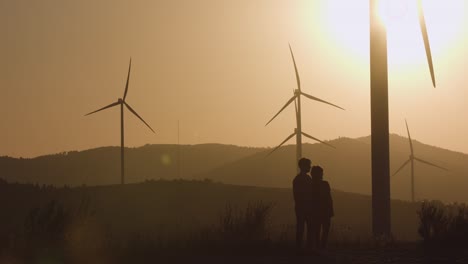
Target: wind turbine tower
(411,160)
(379,116)
(122,102)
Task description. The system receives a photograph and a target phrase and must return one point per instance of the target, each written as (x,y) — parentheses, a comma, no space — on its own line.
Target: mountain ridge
(347,167)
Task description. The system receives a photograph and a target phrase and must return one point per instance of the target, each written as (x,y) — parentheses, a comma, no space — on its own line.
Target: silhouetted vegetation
(53,222)
(53,232)
(444,225)
(242,227)
(181,206)
(3,182)
(146,221)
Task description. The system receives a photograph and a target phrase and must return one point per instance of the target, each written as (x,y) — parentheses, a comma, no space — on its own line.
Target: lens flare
(348,28)
(166,160)
(394,11)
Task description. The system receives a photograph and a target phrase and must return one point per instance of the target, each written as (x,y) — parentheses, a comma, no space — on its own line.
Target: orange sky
(220,67)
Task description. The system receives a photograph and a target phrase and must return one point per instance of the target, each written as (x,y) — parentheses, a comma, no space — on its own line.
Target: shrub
(52,223)
(443,224)
(3,182)
(253,224)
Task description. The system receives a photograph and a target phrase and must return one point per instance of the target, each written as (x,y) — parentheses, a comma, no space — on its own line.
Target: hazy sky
(221,67)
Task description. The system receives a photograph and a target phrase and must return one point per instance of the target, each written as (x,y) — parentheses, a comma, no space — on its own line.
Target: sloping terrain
(181,208)
(347,168)
(101,166)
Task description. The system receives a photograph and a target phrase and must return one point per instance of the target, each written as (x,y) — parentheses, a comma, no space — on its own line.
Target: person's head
(304,165)
(317,172)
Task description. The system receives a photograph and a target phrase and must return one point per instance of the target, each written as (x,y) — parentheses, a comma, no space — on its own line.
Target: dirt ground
(361,256)
(400,255)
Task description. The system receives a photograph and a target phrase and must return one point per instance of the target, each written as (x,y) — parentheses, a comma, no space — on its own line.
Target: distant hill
(101,166)
(348,167)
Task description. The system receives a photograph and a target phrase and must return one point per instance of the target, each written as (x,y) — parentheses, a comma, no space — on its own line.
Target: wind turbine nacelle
(120,100)
(297,92)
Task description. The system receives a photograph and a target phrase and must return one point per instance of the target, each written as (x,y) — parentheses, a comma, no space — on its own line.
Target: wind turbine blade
(135,113)
(316,139)
(425,35)
(430,164)
(402,166)
(282,143)
(409,138)
(109,106)
(298,79)
(286,105)
(128,79)
(320,100)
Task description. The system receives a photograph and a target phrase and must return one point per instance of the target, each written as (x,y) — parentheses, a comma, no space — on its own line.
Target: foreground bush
(253,224)
(443,224)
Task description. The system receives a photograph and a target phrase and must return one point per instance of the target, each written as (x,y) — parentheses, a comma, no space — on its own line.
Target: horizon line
(215,143)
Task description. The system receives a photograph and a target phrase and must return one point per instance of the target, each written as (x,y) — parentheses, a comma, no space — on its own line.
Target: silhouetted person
(302,187)
(322,192)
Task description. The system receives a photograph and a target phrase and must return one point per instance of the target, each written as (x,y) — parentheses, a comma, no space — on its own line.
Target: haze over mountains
(101,166)
(347,167)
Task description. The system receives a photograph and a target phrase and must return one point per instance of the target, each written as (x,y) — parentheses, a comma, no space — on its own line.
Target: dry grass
(444,224)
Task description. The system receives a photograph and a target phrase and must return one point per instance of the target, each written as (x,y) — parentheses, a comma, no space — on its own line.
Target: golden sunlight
(348,23)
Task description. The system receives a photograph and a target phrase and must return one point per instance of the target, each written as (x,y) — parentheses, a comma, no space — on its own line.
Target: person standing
(321,189)
(302,187)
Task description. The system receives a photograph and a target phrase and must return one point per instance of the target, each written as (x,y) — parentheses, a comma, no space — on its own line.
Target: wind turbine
(122,103)
(379,115)
(411,160)
(297,101)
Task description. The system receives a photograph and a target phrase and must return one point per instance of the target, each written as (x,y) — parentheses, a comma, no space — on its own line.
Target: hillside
(347,167)
(179,208)
(101,166)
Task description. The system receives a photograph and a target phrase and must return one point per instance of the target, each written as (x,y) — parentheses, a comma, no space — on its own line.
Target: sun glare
(348,23)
